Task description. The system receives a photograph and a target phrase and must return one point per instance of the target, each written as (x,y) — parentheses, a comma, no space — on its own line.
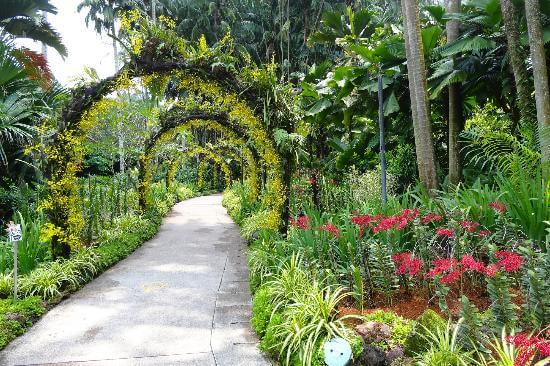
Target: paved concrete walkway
(180,299)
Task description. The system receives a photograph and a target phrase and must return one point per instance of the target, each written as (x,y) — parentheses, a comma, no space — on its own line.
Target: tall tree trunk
(416,67)
(153,11)
(121,155)
(455,103)
(517,62)
(115,47)
(540,75)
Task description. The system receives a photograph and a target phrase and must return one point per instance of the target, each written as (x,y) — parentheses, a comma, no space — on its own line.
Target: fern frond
(501,151)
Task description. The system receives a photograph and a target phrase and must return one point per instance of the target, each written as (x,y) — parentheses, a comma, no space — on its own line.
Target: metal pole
(15,247)
(382,143)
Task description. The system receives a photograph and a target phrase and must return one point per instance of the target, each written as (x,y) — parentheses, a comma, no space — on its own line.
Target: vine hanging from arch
(205,74)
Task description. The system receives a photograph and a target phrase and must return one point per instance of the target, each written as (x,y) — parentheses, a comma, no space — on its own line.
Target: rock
(416,342)
(15,316)
(373,356)
(373,332)
(394,353)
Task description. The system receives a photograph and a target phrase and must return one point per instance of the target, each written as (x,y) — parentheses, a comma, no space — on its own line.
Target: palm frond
(37,29)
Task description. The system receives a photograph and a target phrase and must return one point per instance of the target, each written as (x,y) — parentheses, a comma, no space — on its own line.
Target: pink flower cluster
(452,269)
(469,226)
(528,346)
(509,261)
(498,206)
(407,264)
(301,222)
(442,231)
(329,227)
(431,217)
(382,223)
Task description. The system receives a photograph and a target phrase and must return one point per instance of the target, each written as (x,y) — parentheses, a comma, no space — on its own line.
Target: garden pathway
(180,299)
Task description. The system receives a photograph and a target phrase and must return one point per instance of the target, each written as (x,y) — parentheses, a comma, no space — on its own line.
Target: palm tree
(517,61)
(455,104)
(103,14)
(15,128)
(540,76)
(419,96)
(24,19)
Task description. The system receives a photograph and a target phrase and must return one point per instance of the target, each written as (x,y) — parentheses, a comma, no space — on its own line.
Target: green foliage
(6,285)
(271,340)
(382,269)
(428,321)
(536,288)
(400,327)
(471,330)
(15,317)
(503,309)
(528,204)
(262,309)
(443,348)
(255,223)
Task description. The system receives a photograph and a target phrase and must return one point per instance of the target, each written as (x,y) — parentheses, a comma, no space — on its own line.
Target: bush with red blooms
(330,228)
(407,264)
(529,347)
(498,206)
(301,222)
(442,231)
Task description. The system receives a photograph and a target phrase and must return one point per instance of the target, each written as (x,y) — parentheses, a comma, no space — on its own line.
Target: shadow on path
(180,299)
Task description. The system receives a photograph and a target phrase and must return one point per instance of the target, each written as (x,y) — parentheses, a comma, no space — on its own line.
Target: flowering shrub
(530,347)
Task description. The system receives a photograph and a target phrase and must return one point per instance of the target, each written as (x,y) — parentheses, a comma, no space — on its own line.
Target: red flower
(330,228)
(483,233)
(312,181)
(441,265)
(469,226)
(407,264)
(431,217)
(491,270)
(444,232)
(362,220)
(398,222)
(468,262)
(528,347)
(452,276)
(401,257)
(509,261)
(302,222)
(498,206)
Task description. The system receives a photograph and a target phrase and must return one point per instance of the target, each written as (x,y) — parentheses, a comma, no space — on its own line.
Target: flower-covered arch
(230,139)
(210,83)
(234,152)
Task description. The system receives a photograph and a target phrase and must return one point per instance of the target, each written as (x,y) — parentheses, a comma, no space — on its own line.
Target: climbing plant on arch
(221,149)
(230,138)
(157,56)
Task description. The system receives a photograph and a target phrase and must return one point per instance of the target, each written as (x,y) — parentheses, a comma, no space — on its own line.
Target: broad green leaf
(365,53)
(391,105)
(333,19)
(361,20)
(320,37)
(430,38)
(437,12)
(318,107)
